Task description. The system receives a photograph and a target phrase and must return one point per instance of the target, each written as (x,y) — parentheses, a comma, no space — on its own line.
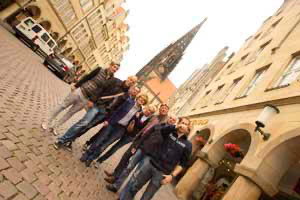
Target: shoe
(108,173)
(68,147)
(111,188)
(97,165)
(88,163)
(44,126)
(110,180)
(57,145)
(54,131)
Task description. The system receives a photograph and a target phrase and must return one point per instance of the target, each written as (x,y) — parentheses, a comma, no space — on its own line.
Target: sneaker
(57,145)
(44,126)
(54,131)
(88,163)
(97,165)
(111,188)
(68,147)
(85,147)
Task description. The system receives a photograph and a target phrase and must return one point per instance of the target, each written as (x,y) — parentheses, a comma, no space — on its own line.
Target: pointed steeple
(165,62)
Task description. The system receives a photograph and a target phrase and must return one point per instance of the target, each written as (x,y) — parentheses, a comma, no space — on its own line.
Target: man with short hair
(85,93)
(114,127)
(163,163)
(125,166)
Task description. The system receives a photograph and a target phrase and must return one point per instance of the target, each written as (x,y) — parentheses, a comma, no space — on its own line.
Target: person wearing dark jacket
(125,166)
(114,127)
(84,93)
(135,125)
(171,154)
(115,103)
(98,111)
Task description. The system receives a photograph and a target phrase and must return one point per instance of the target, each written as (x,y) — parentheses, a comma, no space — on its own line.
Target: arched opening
(33,11)
(46,24)
(30,11)
(220,176)
(76,62)
(61,43)
(67,51)
(71,58)
(281,169)
(55,35)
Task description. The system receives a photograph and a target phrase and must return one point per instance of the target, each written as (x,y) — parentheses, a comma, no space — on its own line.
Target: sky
(154,24)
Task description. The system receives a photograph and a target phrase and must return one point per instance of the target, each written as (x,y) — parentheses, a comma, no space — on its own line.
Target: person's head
(184,125)
(163,109)
(134,91)
(113,68)
(130,81)
(171,120)
(142,99)
(149,110)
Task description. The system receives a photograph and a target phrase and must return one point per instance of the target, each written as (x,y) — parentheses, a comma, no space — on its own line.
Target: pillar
(191,179)
(243,189)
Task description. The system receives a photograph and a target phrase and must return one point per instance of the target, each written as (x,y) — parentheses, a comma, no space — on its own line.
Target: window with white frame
(229,90)
(290,74)
(86,5)
(254,82)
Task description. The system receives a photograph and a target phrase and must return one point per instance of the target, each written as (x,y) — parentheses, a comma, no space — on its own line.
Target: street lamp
(265,116)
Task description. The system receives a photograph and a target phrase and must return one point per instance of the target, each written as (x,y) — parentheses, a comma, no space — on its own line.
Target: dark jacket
(171,151)
(138,125)
(121,111)
(93,84)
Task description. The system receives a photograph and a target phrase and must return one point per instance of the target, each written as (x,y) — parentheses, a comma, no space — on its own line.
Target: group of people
(159,145)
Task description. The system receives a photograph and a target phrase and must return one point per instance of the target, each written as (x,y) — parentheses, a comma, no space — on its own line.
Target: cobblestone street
(30,168)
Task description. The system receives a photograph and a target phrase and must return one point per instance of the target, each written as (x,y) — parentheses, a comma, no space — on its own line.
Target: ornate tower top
(165,62)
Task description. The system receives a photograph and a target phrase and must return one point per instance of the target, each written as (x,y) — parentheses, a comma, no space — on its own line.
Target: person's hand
(167,179)
(133,150)
(105,123)
(90,104)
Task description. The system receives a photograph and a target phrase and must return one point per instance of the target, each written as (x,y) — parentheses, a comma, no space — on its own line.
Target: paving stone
(20,197)
(15,163)
(27,189)
(12,175)
(9,145)
(3,164)
(41,187)
(28,175)
(7,189)
(4,152)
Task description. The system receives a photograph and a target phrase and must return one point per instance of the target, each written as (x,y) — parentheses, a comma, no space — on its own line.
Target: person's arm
(168,178)
(87,77)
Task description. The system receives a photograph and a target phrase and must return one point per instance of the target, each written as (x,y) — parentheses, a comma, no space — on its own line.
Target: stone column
(243,189)
(191,179)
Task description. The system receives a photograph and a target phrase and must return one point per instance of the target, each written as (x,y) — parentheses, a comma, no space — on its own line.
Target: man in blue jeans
(97,111)
(164,163)
(114,127)
(140,152)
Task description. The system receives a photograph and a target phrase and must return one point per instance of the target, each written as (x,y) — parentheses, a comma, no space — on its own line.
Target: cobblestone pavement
(30,168)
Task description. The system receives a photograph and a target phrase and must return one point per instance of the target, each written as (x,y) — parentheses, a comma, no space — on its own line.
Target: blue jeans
(75,130)
(135,159)
(140,177)
(108,135)
(125,139)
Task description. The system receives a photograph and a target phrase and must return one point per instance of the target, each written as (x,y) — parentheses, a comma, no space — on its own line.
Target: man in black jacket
(135,125)
(85,93)
(98,110)
(170,154)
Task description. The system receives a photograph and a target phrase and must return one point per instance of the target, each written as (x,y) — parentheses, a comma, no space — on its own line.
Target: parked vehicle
(35,36)
(59,65)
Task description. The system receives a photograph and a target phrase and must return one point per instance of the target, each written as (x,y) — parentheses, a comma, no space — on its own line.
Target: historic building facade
(264,71)
(153,77)
(91,32)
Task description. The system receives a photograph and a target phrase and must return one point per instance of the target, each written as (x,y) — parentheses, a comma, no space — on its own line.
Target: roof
(165,88)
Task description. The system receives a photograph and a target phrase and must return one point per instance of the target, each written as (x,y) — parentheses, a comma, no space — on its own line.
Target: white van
(35,36)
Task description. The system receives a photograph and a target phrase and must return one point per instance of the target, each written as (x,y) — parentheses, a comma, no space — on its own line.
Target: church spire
(165,62)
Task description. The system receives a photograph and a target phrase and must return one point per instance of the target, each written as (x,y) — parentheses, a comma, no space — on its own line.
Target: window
(273,26)
(36,29)
(229,90)
(291,73)
(86,5)
(254,82)
(258,52)
(29,22)
(51,43)
(45,37)
(217,92)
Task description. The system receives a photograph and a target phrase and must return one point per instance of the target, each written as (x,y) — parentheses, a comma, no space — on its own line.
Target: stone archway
(62,43)
(55,35)
(67,51)
(33,11)
(46,24)
(280,158)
